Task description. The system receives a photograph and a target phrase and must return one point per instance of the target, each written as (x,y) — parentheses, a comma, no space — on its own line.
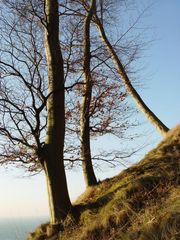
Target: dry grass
(141,203)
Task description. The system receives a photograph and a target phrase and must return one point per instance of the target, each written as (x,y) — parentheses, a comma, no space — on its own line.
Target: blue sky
(22,196)
(163,93)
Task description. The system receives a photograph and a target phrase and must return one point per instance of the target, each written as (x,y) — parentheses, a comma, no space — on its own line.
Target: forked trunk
(59,201)
(88,171)
(127,83)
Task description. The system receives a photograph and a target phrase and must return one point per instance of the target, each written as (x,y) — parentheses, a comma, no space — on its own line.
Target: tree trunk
(59,201)
(124,77)
(88,171)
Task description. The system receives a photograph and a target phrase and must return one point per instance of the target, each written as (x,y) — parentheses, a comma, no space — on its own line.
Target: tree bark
(88,171)
(59,201)
(127,83)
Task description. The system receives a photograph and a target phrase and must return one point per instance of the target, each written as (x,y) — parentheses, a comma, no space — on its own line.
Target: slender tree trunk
(59,201)
(88,171)
(125,79)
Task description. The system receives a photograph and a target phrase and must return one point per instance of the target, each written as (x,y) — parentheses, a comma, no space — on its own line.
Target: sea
(18,228)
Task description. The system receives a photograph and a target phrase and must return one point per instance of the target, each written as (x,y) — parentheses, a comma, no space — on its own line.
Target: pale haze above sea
(18,228)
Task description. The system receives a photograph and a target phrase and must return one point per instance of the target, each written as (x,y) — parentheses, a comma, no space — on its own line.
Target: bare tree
(54,143)
(29,98)
(88,171)
(125,79)
(98,107)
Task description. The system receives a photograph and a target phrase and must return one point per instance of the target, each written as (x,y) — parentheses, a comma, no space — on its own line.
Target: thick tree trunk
(59,201)
(124,77)
(88,171)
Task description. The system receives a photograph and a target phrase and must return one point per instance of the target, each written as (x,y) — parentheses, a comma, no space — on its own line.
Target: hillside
(141,203)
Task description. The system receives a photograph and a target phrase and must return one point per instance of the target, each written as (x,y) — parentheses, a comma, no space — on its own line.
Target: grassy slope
(141,203)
